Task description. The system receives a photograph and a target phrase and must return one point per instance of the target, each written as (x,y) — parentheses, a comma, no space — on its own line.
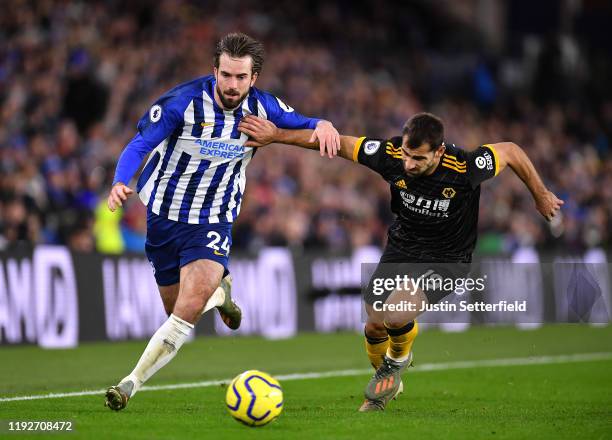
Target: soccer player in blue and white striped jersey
(192,185)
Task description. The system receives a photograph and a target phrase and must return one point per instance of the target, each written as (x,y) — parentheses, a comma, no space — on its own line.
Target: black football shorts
(437,278)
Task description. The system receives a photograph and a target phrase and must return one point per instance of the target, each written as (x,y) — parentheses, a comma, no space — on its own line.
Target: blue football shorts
(171,245)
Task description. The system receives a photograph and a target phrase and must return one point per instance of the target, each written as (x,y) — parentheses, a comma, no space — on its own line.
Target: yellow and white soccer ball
(254,398)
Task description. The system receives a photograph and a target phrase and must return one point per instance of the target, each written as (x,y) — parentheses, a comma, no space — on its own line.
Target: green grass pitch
(547,400)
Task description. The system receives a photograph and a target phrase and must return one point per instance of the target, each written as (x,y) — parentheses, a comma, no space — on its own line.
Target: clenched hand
(548,205)
(119,194)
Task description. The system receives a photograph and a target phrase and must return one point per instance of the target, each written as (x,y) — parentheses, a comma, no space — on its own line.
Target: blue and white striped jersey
(196,170)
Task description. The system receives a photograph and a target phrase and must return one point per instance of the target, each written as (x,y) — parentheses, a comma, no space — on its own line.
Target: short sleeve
(482,164)
(165,116)
(374,153)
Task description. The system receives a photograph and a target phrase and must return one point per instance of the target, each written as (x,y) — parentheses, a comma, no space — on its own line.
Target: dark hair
(424,128)
(238,45)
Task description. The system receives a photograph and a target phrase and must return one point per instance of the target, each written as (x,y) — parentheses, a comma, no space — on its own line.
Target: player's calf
(376,342)
(376,348)
(169,294)
(199,281)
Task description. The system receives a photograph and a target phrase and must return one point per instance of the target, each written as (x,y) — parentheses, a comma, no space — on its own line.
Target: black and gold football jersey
(436,215)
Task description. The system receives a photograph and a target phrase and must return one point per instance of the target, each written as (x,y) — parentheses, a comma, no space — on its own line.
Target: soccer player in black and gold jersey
(435,192)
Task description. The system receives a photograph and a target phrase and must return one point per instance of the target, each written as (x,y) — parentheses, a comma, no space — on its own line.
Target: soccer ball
(254,398)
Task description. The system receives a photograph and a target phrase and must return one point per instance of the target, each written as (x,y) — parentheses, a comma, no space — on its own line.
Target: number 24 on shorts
(215,239)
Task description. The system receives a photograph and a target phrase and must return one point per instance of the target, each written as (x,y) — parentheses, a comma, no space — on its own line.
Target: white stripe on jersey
(145,192)
(237,184)
(228,125)
(196,206)
(181,187)
(261,110)
(209,110)
(163,183)
(213,216)
(248,154)
(242,185)
(245,105)
(192,167)
(189,118)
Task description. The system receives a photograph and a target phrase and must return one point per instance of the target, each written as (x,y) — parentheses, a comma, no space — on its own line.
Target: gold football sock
(376,349)
(401,339)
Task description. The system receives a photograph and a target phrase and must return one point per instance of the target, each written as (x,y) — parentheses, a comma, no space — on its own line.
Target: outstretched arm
(510,154)
(263,132)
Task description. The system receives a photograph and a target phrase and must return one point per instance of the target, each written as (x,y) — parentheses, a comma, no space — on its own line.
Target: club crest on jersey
(371,147)
(449,192)
(408,198)
(401,184)
(155,113)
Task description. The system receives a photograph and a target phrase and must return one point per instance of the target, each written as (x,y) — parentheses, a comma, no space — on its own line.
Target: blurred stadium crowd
(76,76)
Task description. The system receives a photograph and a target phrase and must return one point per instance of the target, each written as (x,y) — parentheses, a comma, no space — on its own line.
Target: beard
(231,99)
(426,170)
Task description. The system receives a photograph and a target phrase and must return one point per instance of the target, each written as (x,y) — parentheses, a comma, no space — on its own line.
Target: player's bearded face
(234,79)
(231,97)
(420,161)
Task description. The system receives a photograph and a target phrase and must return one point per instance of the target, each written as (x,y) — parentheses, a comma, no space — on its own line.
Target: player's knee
(198,301)
(398,320)
(189,308)
(199,280)
(375,330)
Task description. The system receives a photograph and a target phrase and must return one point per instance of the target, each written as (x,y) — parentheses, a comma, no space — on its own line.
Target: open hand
(328,137)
